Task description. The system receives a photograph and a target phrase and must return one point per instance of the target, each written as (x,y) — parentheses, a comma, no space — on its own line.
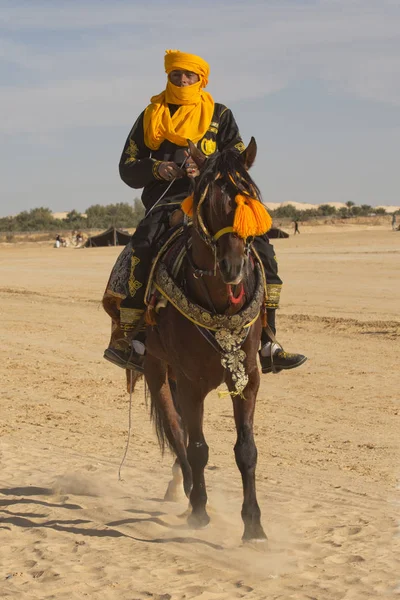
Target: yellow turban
(175,60)
(196,107)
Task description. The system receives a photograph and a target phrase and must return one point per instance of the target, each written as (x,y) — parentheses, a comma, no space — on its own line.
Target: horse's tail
(165,414)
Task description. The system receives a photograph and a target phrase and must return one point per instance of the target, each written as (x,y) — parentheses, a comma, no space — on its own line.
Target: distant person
(57,243)
(296,226)
(394,227)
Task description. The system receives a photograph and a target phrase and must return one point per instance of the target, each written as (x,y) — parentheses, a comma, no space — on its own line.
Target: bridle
(209,238)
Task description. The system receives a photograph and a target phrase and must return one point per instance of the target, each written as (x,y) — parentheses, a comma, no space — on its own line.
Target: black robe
(138,166)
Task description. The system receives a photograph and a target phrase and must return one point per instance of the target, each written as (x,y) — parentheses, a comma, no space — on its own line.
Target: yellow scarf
(196,107)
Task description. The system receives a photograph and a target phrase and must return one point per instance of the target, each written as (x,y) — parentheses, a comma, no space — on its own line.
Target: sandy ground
(327,437)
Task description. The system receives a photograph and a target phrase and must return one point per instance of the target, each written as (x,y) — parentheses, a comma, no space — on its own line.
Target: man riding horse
(156,158)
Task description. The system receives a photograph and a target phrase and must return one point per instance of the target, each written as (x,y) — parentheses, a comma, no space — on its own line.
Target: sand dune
(327,437)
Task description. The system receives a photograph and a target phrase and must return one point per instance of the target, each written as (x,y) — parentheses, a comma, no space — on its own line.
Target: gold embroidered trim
(273,295)
(133,283)
(155,172)
(130,316)
(214,124)
(230,330)
(240,146)
(202,317)
(213,129)
(132,151)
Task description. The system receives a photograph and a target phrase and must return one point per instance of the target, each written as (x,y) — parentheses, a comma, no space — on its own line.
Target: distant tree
(356,211)
(380,211)
(114,215)
(326,210)
(37,219)
(343,212)
(75,218)
(7,224)
(96,216)
(366,209)
(287,211)
(138,211)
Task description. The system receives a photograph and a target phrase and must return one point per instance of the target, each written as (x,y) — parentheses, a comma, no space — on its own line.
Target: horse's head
(227,208)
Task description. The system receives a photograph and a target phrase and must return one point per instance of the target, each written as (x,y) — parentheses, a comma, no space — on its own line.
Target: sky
(316,82)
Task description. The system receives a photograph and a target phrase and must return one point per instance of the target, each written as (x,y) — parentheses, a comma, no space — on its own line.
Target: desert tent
(275,232)
(111,237)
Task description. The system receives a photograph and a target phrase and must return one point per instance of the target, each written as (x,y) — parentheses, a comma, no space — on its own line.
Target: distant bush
(127,215)
(115,215)
(97,217)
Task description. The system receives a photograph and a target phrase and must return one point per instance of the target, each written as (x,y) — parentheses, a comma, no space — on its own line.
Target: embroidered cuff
(155,172)
(273,295)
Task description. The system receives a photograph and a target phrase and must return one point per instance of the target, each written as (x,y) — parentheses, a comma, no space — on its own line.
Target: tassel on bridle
(251,217)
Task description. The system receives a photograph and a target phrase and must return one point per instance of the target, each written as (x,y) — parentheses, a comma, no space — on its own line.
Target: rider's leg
(128,352)
(272,356)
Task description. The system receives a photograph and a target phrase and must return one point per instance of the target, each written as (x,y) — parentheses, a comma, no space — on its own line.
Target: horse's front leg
(246,456)
(192,407)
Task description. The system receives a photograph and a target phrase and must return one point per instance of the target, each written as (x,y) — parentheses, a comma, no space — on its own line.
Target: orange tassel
(251,217)
(187,206)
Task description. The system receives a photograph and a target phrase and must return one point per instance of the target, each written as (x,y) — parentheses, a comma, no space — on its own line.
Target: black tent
(274,233)
(111,237)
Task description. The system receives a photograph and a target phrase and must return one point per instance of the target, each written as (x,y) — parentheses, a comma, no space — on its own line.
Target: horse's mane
(230,166)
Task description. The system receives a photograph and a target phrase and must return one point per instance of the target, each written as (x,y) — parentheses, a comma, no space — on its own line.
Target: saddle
(171,254)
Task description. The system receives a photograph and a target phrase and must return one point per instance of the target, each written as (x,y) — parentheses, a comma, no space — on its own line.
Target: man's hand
(170,171)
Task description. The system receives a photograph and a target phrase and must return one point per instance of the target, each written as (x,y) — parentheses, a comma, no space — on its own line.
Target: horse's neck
(203,258)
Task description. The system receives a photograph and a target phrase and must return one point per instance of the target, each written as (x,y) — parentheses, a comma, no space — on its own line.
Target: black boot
(127,344)
(130,353)
(273,358)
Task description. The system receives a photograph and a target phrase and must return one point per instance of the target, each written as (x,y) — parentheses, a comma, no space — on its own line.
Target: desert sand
(327,436)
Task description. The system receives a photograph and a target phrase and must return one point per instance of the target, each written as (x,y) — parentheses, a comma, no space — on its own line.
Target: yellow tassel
(187,206)
(251,217)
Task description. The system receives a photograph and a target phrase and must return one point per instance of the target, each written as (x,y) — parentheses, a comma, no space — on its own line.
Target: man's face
(182,78)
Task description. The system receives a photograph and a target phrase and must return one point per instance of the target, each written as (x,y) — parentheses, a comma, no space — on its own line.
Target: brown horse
(221,277)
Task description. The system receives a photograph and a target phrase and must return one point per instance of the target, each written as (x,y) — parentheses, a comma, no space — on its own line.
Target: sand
(327,437)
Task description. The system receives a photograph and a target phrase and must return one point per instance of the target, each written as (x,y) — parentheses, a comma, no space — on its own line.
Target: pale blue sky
(316,82)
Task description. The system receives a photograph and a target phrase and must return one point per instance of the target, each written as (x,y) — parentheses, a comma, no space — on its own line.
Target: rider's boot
(127,345)
(273,358)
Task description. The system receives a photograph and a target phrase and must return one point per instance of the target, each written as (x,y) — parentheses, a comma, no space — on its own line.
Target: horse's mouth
(231,274)
(234,281)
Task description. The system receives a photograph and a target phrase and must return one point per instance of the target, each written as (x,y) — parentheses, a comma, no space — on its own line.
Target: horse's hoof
(198,521)
(254,534)
(259,545)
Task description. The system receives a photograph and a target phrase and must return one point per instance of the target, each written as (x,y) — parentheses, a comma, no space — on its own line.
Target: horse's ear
(197,155)
(249,155)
